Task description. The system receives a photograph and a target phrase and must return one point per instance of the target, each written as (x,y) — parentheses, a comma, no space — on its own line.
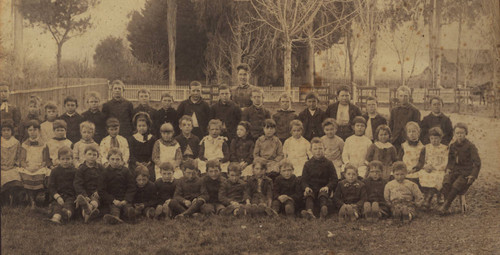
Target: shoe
(236,212)
(180,216)
(410,217)
(150,213)
(270,211)
(112,220)
(356,216)
(158,212)
(83,203)
(307,214)
(197,215)
(53,221)
(93,214)
(324,212)
(66,214)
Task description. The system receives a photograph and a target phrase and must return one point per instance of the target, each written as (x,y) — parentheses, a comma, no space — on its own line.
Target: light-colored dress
(54,145)
(355,150)
(437,157)
(333,151)
(165,152)
(47,131)
(411,155)
(10,157)
(212,150)
(298,151)
(34,169)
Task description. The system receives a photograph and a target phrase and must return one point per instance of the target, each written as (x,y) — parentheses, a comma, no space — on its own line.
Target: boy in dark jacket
(319,179)
(197,108)
(375,206)
(165,186)
(373,118)
(94,115)
(166,114)
(119,108)
(226,111)
(143,96)
(463,167)
(436,118)
(287,192)
(284,116)
(312,117)
(188,198)
(401,115)
(86,183)
(256,114)
(350,195)
(72,118)
(117,188)
(61,186)
(232,192)
(145,198)
(259,190)
(190,143)
(210,188)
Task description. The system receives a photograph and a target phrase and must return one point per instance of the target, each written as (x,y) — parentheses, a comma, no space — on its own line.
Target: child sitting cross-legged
(232,192)
(145,199)
(188,198)
(165,187)
(117,189)
(287,191)
(319,179)
(375,206)
(268,149)
(350,195)
(259,190)
(210,186)
(213,147)
(61,187)
(401,194)
(86,183)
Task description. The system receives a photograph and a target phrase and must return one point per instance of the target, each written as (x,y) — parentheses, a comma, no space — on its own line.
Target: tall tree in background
(64,19)
(172,32)
(110,58)
(434,16)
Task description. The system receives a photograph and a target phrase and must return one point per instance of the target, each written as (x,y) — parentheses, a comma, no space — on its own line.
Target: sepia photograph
(250,126)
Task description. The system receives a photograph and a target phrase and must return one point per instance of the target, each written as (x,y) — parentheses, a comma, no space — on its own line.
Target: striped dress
(34,161)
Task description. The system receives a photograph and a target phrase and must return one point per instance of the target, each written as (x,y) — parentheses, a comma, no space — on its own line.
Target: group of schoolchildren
(233,158)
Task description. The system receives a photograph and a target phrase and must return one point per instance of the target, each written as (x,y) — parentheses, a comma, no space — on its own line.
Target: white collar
(4,106)
(383,145)
(8,143)
(140,137)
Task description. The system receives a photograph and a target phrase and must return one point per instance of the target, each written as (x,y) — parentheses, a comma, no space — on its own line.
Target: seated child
(259,190)
(116,188)
(232,192)
(350,195)
(375,206)
(284,116)
(382,151)
(141,144)
(356,146)
(114,140)
(145,199)
(58,141)
(165,186)
(334,145)
(287,190)
(47,127)
(10,151)
(256,114)
(61,187)
(189,143)
(318,180)
(72,119)
(296,148)
(241,149)
(87,181)
(167,149)
(187,197)
(431,166)
(210,185)
(94,115)
(462,169)
(412,147)
(268,148)
(87,130)
(166,114)
(402,195)
(35,164)
(213,147)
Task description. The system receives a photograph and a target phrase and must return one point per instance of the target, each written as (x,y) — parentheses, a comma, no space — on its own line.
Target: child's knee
(207,209)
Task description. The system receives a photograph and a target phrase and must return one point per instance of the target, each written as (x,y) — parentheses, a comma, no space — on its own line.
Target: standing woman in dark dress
(141,144)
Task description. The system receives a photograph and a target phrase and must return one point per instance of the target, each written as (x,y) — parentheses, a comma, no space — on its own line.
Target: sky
(110,18)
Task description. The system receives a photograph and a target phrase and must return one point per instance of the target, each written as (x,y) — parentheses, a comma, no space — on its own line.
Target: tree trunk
(402,61)
(58,57)
(172,34)
(310,63)
(18,39)
(373,34)
(432,47)
(457,68)
(287,66)
(351,64)
(236,54)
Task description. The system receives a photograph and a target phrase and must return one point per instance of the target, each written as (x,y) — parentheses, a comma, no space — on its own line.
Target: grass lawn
(476,232)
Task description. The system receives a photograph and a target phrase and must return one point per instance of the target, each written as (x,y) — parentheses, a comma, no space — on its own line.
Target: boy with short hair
(356,146)
(165,186)
(268,148)
(197,108)
(187,197)
(256,114)
(61,186)
(7,110)
(462,169)
(242,93)
(232,192)
(35,163)
(350,195)
(401,115)
(47,127)
(372,117)
(87,129)
(312,117)
(72,118)
(436,118)
(402,195)
(284,116)
(259,190)
(119,108)
(114,140)
(117,188)
(286,190)
(375,206)
(334,145)
(86,183)
(318,180)
(143,96)
(145,198)
(58,141)
(190,143)
(166,114)
(226,111)
(94,115)
(210,186)
(344,112)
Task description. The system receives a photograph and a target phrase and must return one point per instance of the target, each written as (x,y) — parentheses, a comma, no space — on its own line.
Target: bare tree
(172,34)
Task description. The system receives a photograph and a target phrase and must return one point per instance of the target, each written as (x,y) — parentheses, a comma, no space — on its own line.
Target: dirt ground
(476,232)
